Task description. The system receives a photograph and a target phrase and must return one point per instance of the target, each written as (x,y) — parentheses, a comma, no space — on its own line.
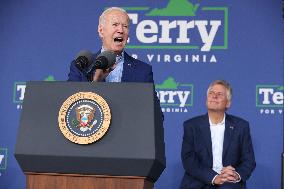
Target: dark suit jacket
(133,71)
(197,156)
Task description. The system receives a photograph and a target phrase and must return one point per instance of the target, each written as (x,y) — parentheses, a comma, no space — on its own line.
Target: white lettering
(149,31)
(183,28)
(21,89)
(213,59)
(171,97)
(134,18)
(277,97)
(167,58)
(268,111)
(265,93)
(177,58)
(195,58)
(167,26)
(207,38)
(150,57)
(1,158)
(183,98)
(147,27)
(174,110)
(162,95)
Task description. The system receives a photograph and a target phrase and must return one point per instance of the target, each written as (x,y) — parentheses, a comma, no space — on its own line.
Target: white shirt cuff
(212,182)
(239,177)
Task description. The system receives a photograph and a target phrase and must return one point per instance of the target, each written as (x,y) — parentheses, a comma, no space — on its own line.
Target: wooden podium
(130,155)
(63,181)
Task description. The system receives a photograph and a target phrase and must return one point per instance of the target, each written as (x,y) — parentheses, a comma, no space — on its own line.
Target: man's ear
(228,104)
(100,31)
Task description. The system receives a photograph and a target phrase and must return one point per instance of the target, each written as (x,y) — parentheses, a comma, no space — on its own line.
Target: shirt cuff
(212,182)
(240,178)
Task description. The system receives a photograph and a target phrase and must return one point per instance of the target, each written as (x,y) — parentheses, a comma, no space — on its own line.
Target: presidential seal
(84,117)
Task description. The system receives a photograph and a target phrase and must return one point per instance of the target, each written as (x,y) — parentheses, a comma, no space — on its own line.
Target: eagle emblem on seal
(85,118)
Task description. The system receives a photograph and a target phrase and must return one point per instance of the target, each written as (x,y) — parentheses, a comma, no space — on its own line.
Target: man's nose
(214,95)
(120,28)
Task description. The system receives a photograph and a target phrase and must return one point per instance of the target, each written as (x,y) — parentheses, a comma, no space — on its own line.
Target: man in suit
(113,30)
(217,150)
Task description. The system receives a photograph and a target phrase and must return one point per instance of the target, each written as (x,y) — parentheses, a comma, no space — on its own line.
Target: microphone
(103,61)
(85,63)
(83,60)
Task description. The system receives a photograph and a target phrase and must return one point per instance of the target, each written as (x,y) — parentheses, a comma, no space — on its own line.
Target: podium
(131,155)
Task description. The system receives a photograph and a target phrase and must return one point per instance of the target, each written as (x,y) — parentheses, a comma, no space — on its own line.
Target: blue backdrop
(239,41)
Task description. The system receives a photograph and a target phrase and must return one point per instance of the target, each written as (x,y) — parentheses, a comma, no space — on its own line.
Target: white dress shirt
(217,138)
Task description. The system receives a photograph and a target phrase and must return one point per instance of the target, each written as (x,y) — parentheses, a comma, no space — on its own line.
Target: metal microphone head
(83,59)
(105,60)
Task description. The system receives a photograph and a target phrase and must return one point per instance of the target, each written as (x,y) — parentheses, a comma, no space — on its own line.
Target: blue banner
(189,43)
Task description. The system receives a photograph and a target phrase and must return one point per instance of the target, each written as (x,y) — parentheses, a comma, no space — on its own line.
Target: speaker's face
(114,30)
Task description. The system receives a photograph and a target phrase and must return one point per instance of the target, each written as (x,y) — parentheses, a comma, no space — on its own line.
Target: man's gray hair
(102,17)
(224,83)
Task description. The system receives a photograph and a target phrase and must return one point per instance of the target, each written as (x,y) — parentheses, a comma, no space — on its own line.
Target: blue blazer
(133,71)
(197,156)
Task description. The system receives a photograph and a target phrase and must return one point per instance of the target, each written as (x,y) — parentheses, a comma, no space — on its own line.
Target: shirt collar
(120,56)
(221,123)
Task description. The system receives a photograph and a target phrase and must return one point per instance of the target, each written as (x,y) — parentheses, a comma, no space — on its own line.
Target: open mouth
(118,39)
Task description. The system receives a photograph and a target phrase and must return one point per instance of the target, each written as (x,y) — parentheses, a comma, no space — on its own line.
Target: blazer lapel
(95,55)
(127,72)
(205,130)
(229,130)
